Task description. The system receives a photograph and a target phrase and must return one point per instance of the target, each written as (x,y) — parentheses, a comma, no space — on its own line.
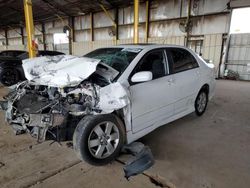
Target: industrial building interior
(210,151)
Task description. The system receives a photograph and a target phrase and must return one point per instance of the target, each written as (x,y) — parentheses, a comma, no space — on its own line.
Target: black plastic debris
(142,159)
(2,164)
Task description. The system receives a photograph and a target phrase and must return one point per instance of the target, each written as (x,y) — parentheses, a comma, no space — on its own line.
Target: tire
(92,139)
(9,77)
(201,102)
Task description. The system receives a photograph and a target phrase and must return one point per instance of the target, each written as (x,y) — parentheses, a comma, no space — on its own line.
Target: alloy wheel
(103,140)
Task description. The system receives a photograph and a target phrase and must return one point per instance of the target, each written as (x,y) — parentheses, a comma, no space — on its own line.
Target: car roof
(146,46)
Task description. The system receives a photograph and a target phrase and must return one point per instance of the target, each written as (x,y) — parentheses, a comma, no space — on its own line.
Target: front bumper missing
(42,122)
(36,124)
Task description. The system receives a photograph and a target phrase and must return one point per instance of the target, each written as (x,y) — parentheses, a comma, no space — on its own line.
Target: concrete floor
(209,151)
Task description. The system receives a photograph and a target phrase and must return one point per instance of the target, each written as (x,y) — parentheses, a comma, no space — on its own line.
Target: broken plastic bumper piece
(142,159)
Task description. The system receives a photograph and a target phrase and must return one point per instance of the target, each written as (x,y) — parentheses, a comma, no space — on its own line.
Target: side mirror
(142,76)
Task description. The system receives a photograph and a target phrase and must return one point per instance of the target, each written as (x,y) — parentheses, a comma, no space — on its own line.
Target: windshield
(117,58)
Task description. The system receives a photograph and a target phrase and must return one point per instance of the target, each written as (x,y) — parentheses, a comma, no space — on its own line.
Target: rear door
(186,73)
(152,101)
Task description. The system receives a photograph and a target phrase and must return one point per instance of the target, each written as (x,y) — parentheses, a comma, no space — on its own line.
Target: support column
(188,22)
(147,20)
(22,35)
(72,25)
(136,21)
(91,27)
(44,37)
(6,38)
(92,37)
(116,25)
(30,28)
(71,34)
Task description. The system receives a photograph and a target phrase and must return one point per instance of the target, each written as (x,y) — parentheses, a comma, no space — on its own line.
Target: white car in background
(136,89)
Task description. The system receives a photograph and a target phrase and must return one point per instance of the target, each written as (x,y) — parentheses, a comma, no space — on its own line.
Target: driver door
(152,101)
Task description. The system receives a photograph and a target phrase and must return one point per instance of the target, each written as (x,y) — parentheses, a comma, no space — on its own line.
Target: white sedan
(165,83)
(110,97)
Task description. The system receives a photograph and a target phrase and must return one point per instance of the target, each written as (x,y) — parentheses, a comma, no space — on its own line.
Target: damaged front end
(48,104)
(61,97)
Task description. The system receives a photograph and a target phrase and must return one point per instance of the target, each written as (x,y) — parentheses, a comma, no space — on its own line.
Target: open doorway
(61,42)
(240,21)
(238,58)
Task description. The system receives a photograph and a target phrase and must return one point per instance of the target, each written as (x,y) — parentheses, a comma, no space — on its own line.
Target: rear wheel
(9,77)
(98,139)
(201,102)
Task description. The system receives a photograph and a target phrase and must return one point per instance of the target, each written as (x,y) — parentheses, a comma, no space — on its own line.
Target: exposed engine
(58,92)
(35,108)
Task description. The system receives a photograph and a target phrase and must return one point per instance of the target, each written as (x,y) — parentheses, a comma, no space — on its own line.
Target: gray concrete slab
(208,151)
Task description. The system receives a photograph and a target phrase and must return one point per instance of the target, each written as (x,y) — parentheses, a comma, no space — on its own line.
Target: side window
(181,60)
(154,62)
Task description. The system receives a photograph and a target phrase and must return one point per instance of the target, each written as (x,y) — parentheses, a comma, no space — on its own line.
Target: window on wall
(196,45)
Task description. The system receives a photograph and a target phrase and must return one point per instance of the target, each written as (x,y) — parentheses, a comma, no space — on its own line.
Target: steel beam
(117,25)
(30,28)
(22,35)
(6,37)
(44,37)
(92,26)
(19,33)
(136,21)
(72,25)
(108,14)
(114,21)
(71,34)
(55,8)
(188,22)
(147,20)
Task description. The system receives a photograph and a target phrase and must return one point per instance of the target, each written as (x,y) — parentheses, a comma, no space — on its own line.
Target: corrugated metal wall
(212,46)
(208,20)
(239,55)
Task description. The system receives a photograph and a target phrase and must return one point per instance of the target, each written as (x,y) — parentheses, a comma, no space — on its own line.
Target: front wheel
(201,102)
(98,139)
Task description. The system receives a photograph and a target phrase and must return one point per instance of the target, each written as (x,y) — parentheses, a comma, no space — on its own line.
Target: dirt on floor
(208,152)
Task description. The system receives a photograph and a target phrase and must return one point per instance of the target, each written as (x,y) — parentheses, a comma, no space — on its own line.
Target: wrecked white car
(111,97)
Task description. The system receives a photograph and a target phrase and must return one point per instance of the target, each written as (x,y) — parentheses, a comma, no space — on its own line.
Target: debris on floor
(142,159)
(69,145)
(231,75)
(2,164)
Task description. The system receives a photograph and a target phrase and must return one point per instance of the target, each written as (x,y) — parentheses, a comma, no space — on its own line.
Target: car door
(185,69)
(152,101)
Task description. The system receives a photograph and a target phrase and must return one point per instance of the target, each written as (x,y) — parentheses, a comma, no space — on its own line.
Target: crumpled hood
(61,71)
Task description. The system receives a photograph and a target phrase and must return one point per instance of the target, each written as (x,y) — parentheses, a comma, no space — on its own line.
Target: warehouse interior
(210,151)
(159,22)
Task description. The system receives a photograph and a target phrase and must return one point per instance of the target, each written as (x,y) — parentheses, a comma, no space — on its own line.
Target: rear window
(182,60)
